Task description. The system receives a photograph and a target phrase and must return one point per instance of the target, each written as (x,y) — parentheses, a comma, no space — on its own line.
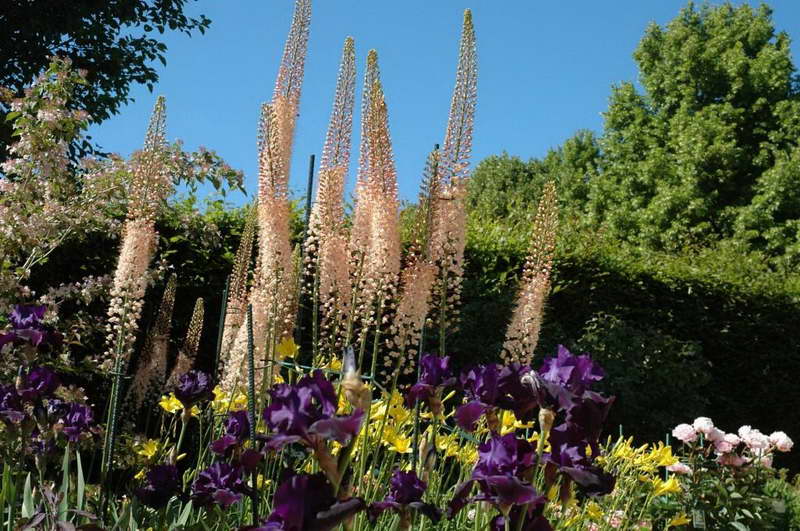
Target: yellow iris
(396,441)
(170,404)
(287,348)
(224,402)
(147,448)
(509,423)
(661,487)
(677,520)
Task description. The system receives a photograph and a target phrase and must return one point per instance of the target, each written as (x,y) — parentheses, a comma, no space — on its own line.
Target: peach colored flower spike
(523,331)
(326,244)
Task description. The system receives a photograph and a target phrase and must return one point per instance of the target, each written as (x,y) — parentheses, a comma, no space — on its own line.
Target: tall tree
(709,149)
(113,40)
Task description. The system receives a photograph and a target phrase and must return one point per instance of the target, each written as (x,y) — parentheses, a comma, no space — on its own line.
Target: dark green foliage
(113,40)
(710,149)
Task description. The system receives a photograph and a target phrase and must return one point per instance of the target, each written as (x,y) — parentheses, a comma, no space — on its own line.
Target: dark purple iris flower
(76,420)
(193,387)
(27,327)
(306,412)
(305,503)
(405,493)
(534,519)
(576,373)
(41,446)
(237,430)
(11,409)
(435,375)
(503,474)
(568,455)
(161,484)
(41,382)
(490,387)
(220,483)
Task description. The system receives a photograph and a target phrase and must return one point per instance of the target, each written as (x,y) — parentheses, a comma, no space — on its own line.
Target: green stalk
(251,405)
(220,330)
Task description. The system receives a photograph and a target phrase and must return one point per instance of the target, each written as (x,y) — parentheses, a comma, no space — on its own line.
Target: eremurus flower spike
(523,331)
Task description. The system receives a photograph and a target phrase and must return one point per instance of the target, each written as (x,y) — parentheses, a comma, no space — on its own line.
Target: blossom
(76,420)
(161,484)
(684,433)
(781,441)
(755,440)
(503,465)
(11,410)
(27,327)
(703,425)
(170,404)
(220,483)
(307,502)
(434,376)
(40,383)
(491,386)
(193,387)
(569,454)
(224,402)
(680,468)
(306,412)
(148,448)
(405,492)
(237,430)
(661,487)
(287,348)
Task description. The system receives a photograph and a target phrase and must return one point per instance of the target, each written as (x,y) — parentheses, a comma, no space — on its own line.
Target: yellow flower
(395,441)
(594,511)
(147,448)
(677,520)
(468,454)
(170,404)
(665,487)
(661,455)
(509,423)
(224,402)
(287,348)
(261,482)
(140,474)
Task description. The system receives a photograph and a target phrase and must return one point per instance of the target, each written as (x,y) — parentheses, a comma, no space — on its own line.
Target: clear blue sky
(545,71)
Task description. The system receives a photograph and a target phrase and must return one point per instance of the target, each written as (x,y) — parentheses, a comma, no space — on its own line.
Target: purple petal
(467,415)
(223,444)
(339,429)
(433,513)
(376,509)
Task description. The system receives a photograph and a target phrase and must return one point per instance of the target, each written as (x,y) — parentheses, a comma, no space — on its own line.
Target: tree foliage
(113,40)
(710,149)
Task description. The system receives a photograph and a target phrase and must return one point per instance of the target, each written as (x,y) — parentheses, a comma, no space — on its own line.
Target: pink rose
(732,439)
(715,435)
(755,440)
(781,441)
(680,468)
(743,431)
(703,425)
(684,433)
(723,446)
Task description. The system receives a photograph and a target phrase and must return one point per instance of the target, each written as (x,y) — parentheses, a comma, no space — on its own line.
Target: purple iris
(503,474)
(220,483)
(434,376)
(237,430)
(306,412)
(534,519)
(405,493)
(41,382)
(193,387)
(76,420)
(568,456)
(27,327)
(305,502)
(490,387)
(161,483)
(11,409)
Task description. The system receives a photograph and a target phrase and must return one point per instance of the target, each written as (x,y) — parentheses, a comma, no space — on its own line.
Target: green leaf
(740,526)
(13,115)
(27,498)
(81,484)
(63,505)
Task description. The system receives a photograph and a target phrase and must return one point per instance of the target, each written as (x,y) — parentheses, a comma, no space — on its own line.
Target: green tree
(709,149)
(111,39)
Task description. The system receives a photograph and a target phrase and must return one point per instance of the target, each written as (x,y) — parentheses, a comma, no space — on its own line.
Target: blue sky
(545,71)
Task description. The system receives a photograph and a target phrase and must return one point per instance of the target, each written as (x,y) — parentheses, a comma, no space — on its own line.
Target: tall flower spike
(458,138)
(188,353)
(325,248)
(150,183)
(359,234)
(156,129)
(523,331)
(290,72)
(151,372)
(448,231)
(237,290)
